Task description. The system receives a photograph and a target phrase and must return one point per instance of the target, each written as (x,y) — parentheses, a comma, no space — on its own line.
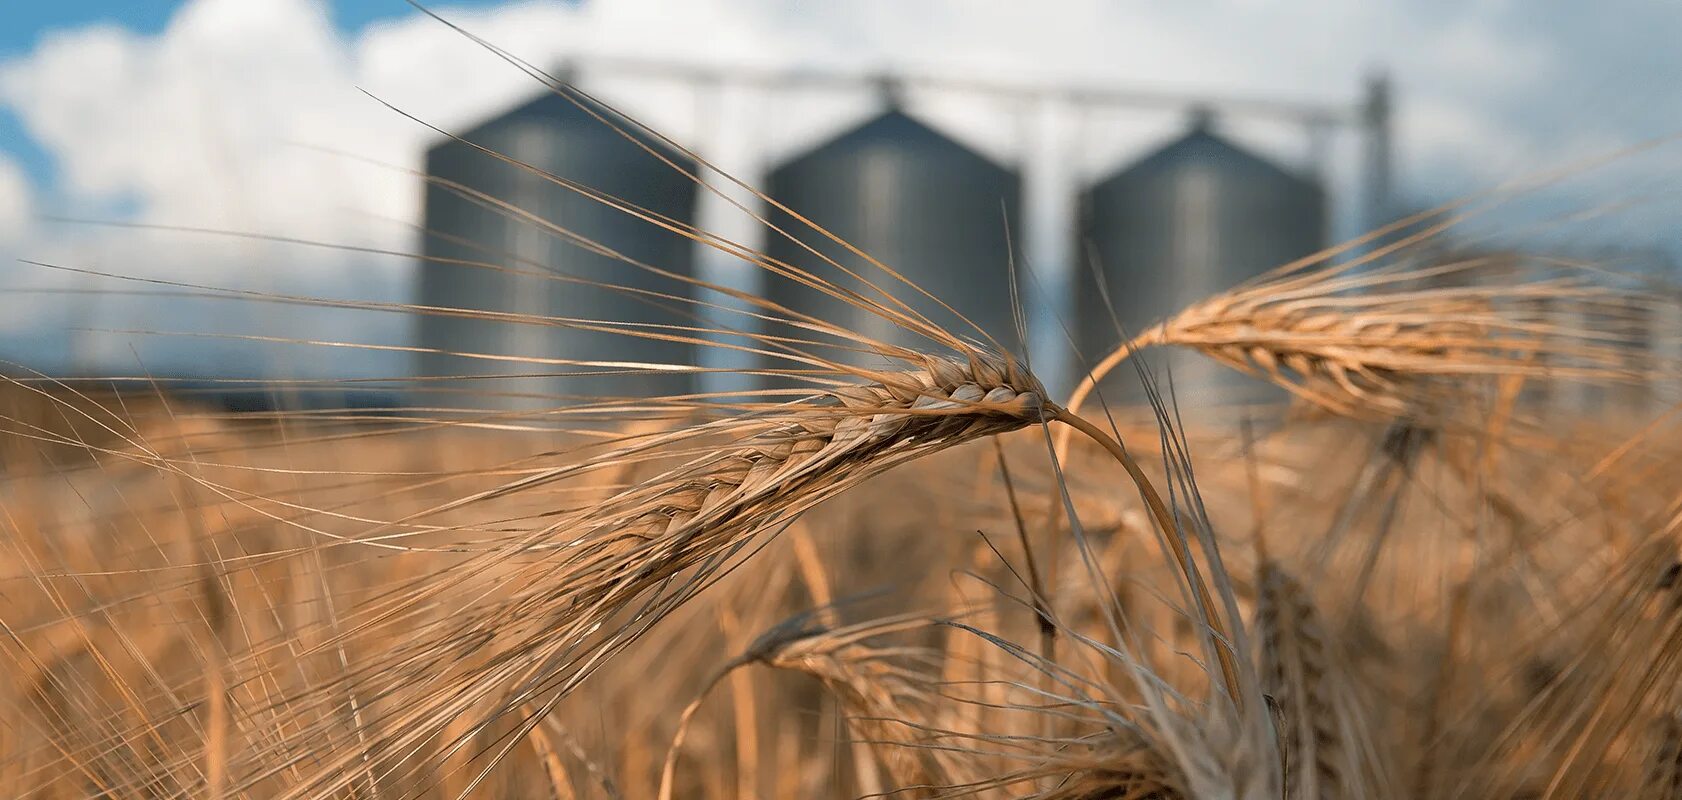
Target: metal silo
(1195,217)
(929,208)
(555,136)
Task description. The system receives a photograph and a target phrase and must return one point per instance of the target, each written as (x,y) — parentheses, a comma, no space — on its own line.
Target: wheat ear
(633,550)
(1375,346)
(1295,669)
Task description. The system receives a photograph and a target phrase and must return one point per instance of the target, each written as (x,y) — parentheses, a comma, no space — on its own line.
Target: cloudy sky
(251,115)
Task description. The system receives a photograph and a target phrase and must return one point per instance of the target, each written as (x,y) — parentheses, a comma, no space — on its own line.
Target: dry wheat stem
(1171,534)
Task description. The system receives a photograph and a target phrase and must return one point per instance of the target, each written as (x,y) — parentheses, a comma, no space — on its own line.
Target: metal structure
(1372,116)
(1196,217)
(929,208)
(505,241)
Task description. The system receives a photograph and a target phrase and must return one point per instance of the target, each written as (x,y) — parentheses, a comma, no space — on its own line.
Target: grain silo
(931,209)
(554,135)
(1193,218)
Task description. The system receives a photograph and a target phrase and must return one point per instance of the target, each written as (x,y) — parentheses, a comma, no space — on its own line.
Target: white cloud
(16,206)
(216,121)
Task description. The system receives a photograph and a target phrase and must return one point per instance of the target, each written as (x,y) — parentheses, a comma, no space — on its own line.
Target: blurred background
(1171,150)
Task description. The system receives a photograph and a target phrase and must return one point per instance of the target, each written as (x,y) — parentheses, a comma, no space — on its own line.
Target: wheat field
(924,578)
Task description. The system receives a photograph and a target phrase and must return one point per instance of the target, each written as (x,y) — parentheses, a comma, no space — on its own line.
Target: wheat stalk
(1296,668)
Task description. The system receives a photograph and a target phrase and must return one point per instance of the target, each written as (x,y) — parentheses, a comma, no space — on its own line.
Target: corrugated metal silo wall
(555,136)
(1190,220)
(924,205)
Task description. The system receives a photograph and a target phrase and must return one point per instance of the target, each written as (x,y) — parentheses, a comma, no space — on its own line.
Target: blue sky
(27,21)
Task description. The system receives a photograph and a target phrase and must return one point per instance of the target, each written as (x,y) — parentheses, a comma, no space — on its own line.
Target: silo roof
(1202,145)
(893,125)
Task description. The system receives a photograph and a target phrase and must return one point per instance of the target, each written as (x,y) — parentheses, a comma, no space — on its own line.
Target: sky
(269,116)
